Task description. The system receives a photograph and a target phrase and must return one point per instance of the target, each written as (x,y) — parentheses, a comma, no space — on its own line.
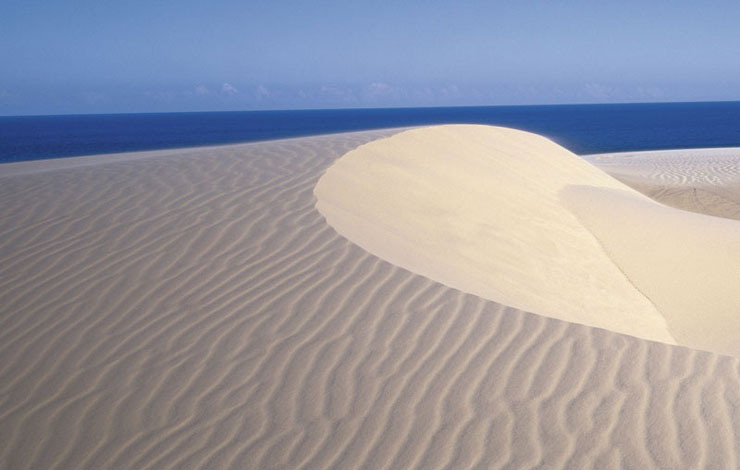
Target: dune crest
(688,264)
(492,211)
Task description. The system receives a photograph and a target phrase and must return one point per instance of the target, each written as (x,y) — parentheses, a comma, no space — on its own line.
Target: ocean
(584,129)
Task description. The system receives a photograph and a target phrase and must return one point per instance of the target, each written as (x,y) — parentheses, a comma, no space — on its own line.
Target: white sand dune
(191,309)
(512,217)
(687,264)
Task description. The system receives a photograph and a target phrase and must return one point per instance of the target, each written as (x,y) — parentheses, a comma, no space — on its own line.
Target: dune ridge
(688,264)
(515,218)
(479,208)
(192,309)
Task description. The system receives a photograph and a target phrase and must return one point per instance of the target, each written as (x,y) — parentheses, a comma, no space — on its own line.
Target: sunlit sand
(194,309)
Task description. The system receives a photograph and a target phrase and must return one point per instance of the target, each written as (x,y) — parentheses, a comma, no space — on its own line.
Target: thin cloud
(228,89)
(599,91)
(380,93)
(379,88)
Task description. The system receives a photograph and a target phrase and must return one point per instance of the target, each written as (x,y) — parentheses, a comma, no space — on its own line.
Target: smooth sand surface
(193,310)
(479,208)
(512,217)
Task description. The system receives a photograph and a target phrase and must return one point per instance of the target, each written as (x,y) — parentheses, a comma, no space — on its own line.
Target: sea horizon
(582,128)
(269,110)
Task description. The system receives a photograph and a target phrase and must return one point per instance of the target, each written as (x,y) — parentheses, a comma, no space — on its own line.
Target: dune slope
(190,309)
(687,264)
(513,217)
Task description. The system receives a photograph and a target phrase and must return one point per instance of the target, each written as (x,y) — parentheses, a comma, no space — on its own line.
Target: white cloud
(379,88)
(228,89)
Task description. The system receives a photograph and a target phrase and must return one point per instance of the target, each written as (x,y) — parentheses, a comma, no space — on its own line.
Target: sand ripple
(703,180)
(192,310)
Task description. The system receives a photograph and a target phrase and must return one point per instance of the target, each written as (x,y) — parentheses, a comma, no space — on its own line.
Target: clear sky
(96,56)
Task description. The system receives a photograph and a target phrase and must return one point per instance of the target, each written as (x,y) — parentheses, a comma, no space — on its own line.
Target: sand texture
(192,309)
(699,180)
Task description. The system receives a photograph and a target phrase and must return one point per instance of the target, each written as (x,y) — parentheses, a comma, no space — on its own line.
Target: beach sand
(193,309)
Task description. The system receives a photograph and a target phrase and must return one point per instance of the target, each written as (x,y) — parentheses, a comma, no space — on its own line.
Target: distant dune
(699,180)
(192,309)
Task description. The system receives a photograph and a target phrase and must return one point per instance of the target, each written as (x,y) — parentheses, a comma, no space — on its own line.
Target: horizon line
(375,108)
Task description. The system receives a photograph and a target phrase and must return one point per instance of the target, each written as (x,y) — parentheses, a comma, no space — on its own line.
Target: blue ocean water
(581,128)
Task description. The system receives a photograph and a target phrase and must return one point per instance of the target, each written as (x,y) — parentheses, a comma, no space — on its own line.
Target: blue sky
(83,56)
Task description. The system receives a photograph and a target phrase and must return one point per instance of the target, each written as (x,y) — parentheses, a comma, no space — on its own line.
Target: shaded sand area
(192,309)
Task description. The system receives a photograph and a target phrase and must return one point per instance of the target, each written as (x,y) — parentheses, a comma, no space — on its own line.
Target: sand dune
(191,309)
(512,217)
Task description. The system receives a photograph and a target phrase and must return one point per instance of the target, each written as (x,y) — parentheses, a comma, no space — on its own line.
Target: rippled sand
(192,309)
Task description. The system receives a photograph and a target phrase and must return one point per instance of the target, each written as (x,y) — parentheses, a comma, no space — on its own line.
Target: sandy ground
(192,309)
(513,217)
(699,180)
